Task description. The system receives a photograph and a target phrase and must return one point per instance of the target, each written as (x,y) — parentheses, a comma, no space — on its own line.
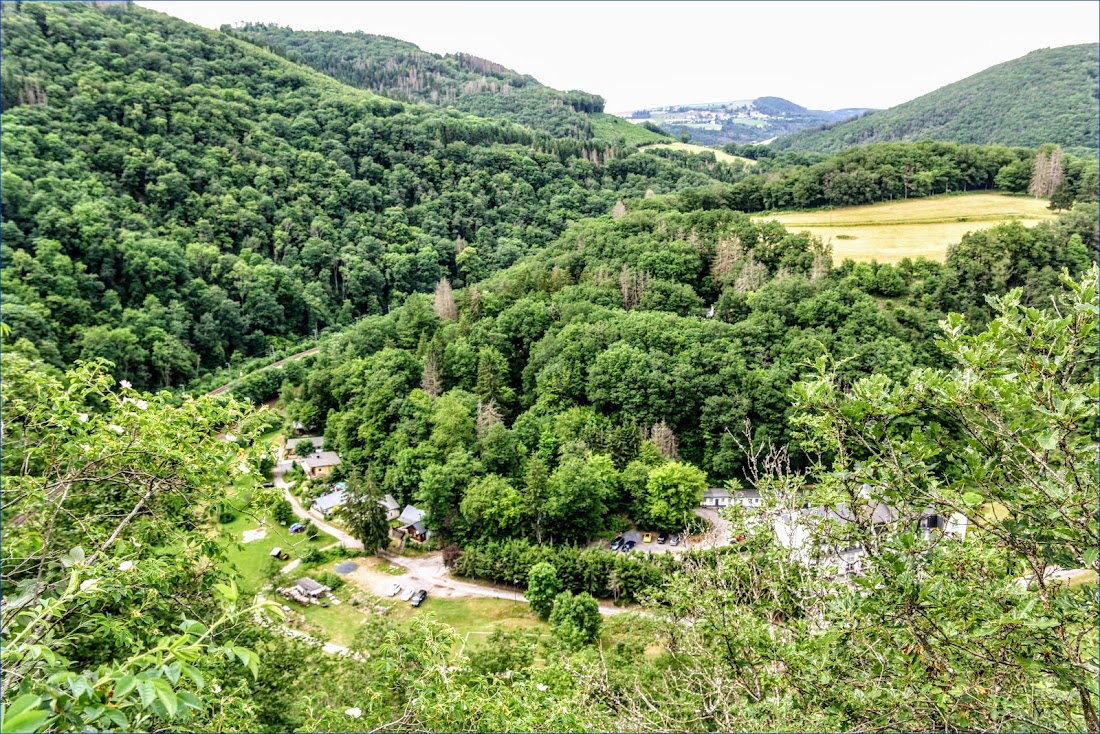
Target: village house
(319,464)
(827,536)
(716,497)
(290,446)
(328,503)
(393,509)
(411,526)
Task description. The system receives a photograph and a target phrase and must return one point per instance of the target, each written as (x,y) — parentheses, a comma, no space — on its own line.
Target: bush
(282,512)
(451,555)
(313,555)
(331,580)
(312,531)
(226,516)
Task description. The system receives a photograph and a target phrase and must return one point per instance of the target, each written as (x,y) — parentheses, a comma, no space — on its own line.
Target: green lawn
(719,155)
(251,559)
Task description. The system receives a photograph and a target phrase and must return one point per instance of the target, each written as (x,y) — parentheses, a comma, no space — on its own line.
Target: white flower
(116,429)
(230,437)
(126,566)
(354,712)
(126,384)
(86,447)
(540,686)
(244,468)
(87,584)
(83,417)
(141,404)
(216,688)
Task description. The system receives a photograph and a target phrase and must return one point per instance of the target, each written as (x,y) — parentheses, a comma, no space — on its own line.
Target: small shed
(277,552)
(310,588)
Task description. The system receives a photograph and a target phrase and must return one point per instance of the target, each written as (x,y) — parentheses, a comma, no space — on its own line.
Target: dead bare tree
(431,381)
(665,440)
(488,415)
(444,304)
(619,211)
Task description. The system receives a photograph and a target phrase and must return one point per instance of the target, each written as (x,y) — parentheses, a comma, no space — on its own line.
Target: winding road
(426,571)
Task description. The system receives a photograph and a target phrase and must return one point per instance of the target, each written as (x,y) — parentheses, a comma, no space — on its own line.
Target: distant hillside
(403,71)
(1048,96)
(741,121)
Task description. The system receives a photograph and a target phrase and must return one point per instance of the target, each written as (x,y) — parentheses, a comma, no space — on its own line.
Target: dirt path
(280,363)
(424,572)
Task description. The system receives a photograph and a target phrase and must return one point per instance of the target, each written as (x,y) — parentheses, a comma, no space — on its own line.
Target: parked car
(408,595)
(297,528)
(662,538)
(647,538)
(394,590)
(617,543)
(628,546)
(419,598)
(269,484)
(675,539)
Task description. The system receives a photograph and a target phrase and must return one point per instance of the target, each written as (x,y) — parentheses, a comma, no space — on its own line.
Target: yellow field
(891,231)
(720,155)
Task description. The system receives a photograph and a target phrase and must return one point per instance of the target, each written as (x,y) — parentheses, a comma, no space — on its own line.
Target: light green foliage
(86,465)
(1023,471)
(543,587)
(495,506)
(575,619)
(673,490)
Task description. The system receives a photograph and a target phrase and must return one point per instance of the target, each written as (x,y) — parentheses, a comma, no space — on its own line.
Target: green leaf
(972,499)
(167,697)
(24,716)
(147,691)
(124,685)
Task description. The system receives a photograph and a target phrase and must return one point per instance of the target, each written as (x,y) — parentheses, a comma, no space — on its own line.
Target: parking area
(717,535)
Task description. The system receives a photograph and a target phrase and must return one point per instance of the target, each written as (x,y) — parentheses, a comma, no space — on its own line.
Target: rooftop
(322,458)
(327,501)
(310,586)
(410,515)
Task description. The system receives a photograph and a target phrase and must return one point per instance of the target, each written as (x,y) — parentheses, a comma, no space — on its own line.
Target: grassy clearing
(891,231)
(251,560)
(720,155)
(611,128)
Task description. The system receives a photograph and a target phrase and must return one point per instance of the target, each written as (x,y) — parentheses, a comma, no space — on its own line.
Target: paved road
(427,570)
(280,363)
(277,477)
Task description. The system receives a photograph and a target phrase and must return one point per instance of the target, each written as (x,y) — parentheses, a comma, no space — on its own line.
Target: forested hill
(174,198)
(1047,96)
(404,71)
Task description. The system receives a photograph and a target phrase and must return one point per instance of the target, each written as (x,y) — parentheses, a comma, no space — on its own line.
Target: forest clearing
(891,231)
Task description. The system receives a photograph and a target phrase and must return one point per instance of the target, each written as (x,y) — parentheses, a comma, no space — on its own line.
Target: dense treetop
(403,71)
(175,198)
(1047,96)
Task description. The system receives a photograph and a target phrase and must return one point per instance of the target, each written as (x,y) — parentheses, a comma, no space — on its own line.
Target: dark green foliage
(575,619)
(1047,96)
(403,71)
(282,512)
(185,200)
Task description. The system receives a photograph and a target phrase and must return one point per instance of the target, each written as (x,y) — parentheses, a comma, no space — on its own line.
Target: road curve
(280,363)
(428,568)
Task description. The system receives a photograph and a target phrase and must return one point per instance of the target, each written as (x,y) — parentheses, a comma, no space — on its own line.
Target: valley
(348,386)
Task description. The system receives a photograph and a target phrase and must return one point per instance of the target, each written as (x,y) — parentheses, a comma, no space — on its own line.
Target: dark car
(662,538)
(419,598)
(675,539)
(617,543)
(628,546)
(269,484)
(297,527)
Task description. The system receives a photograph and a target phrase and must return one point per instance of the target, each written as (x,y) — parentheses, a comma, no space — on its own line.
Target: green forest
(544,339)
(400,70)
(1047,96)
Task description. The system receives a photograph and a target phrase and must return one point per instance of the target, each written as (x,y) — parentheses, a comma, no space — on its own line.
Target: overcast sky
(822,55)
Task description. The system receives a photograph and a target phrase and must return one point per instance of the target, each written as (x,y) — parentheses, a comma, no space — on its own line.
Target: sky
(822,55)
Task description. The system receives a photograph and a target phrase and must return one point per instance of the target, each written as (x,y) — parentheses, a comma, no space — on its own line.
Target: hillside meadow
(891,231)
